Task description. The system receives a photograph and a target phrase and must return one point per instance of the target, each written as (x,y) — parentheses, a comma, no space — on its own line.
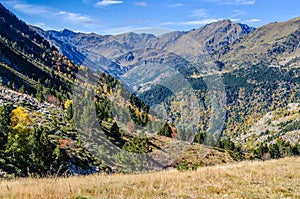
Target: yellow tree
(69,109)
(17,147)
(19,116)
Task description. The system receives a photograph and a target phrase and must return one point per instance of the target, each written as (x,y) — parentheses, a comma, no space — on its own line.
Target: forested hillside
(37,135)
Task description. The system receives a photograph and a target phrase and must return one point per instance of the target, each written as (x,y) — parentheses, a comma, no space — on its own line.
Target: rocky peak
(65,32)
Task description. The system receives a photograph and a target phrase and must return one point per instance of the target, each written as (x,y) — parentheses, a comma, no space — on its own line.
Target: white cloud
(151,30)
(199,13)
(116,31)
(31,9)
(200,22)
(244,2)
(176,5)
(76,17)
(235,20)
(194,22)
(41,25)
(108,3)
(141,3)
(252,21)
(236,13)
(233,2)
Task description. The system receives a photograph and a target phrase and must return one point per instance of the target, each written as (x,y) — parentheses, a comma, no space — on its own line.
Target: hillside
(37,136)
(55,145)
(275,43)
(28,60)
(251,179)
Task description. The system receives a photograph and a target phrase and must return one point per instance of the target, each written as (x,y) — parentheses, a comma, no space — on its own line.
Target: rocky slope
(281,123)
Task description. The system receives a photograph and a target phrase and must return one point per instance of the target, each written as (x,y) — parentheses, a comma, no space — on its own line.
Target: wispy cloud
(199,13)
(194,22)
(151,30)
(176,5)
(32,9)
(233,2)
(200,22)
(42,25)
(119,30)
(236,13)
(252,21)
(76,17)
(140,3)
(235,20)
(108,3)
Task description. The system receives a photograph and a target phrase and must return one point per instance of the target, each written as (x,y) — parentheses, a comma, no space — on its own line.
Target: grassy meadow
(249,179)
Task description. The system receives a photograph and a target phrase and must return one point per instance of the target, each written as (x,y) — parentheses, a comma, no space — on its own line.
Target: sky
(154,16)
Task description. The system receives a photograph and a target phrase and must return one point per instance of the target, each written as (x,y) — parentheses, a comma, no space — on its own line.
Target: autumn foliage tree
(18,148)
(19,116)
(28,147)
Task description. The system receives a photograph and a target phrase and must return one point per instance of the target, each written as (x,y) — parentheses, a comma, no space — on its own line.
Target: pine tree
(42,153)
(39,92)
(165,130)
(5,111)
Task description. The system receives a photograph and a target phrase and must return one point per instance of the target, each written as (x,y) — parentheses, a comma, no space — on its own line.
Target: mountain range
(101,52)
(232,42)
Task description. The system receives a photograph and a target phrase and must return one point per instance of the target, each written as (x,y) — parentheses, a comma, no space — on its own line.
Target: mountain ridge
(109,47)
(268,44)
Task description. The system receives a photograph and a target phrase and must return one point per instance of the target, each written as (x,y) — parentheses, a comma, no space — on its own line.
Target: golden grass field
(250,179)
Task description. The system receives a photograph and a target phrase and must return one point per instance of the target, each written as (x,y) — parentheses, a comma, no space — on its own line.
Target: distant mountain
(275,43)
(127,56)
(233,44)
(219,34)
(104,50)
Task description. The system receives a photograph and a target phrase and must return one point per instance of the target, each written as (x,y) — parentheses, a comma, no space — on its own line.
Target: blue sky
(117,16)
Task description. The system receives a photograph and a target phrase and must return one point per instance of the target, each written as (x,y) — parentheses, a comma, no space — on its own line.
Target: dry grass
(269,179)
